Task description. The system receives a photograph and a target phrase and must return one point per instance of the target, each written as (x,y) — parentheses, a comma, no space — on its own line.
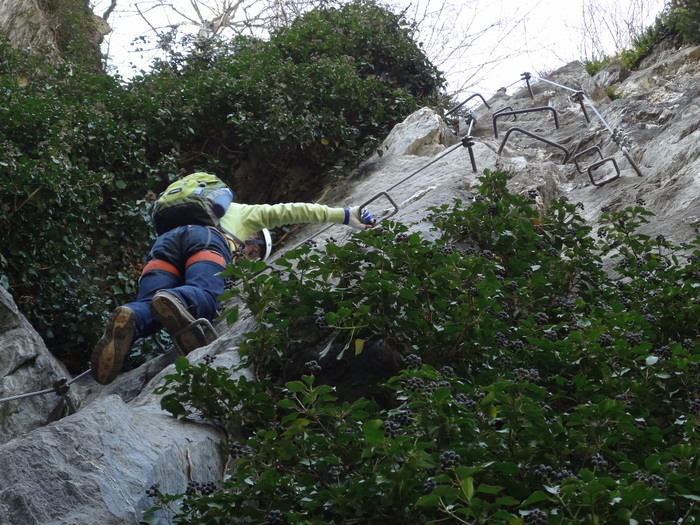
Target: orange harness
(205,255)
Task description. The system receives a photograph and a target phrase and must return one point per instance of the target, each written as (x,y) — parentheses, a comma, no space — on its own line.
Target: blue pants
(185,262)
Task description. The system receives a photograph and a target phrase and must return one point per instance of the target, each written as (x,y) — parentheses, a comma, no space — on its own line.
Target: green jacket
(242,220)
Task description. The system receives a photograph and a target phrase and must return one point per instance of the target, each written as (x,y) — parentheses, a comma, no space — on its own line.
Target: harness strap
(206,255)
(158,264)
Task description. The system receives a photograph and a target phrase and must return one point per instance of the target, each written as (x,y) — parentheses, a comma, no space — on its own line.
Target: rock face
(26,24)
(94,465)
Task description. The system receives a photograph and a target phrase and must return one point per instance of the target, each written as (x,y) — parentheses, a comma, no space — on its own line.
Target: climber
(180,282)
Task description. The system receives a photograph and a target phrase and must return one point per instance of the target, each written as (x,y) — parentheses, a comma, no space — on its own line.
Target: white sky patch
(499,49)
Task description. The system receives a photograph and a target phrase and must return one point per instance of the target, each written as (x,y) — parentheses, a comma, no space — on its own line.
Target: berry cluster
(548,473)
(536,517)
(550,335)
(195,487)
(449,459)
(429,486)
(695,406)
(391,428)
(599,462)
(635,338)
(654,480)
(152,491)
(312,367)
(501,339)
(275,517)
(402,417)
(447,371)
(462,399)
(446,250)
(517,345)
(605,340)
(413,384)
(541,318)
(237,451)
(412,362)
(209,359)
(401,237)
(532,193)
(525,374)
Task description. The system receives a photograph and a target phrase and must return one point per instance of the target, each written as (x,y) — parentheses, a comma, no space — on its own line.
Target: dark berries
(195,487)
(152,491)
(237,451)
(524,374)
(634,339)
(541,318)
(412,362)
(694,406)
(449,459)
(536,517)
(275,517)
(413,384)
(605,340)
(550,335)
(312,367)
(599,462)
(390,428)
(429,486)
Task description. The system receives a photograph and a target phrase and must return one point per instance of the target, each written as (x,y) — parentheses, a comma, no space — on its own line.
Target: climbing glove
(358,219)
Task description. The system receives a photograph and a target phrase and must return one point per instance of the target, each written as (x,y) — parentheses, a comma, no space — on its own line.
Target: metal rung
(596,165)
(584,152)
(530,134)
(503,109)
(530,110)
(462,103)
(393,203)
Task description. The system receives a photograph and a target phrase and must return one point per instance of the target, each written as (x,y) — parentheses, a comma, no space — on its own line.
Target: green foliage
(380,43)
(643,44)
(535,387)
(316,94)
(594,65)
(612,93)
(685,18)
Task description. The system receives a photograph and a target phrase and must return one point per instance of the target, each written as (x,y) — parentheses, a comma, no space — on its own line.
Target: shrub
(594,65)
(645,42)
(532,385)
(685,18)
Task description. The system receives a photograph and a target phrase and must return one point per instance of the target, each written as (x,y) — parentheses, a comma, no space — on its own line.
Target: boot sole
(171,313)
(109,353)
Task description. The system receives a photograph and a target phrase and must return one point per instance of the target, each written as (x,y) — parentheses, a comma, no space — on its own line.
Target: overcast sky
(550,36)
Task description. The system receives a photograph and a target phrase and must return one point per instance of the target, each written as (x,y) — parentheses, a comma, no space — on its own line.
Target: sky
(507,37)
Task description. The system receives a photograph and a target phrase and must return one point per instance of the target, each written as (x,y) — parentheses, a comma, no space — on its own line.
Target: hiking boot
(170,311)
(108,355)
(187,332)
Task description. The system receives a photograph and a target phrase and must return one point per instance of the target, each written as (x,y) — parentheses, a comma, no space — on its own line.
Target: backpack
(199,198)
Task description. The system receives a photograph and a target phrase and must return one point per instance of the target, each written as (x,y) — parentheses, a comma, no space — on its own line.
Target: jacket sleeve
(244,219)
